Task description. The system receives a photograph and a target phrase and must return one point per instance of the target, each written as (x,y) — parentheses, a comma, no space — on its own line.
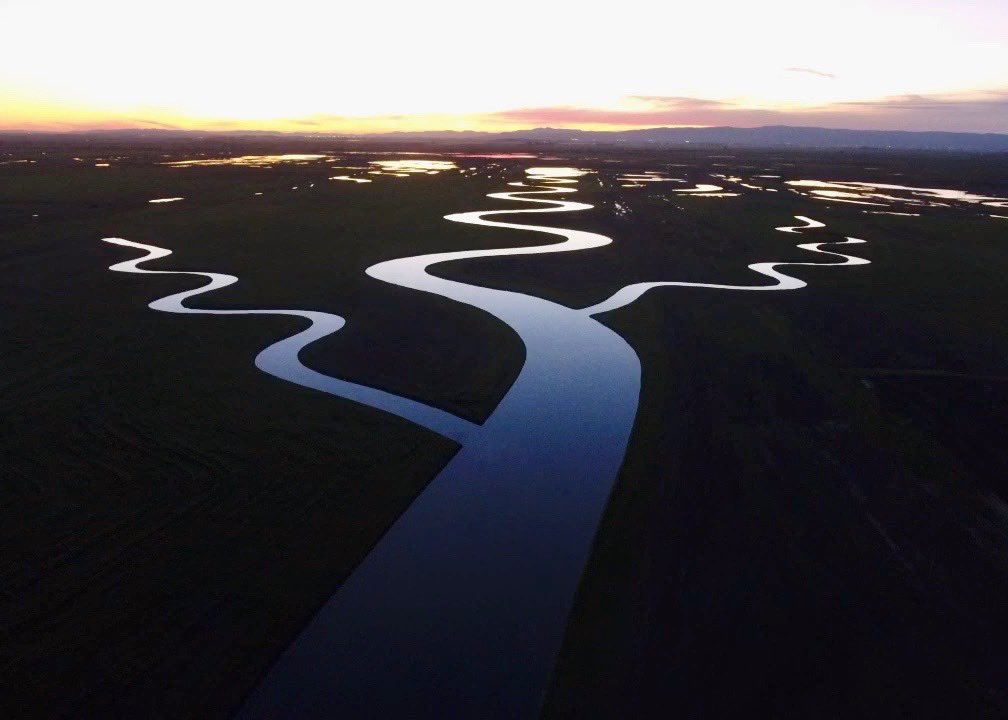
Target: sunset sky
(314,66)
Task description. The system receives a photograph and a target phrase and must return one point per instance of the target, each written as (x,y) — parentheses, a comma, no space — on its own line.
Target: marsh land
(810,518)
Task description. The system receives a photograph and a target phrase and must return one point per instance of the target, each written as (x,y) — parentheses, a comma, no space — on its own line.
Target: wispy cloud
(994,100)
(677,102)
(648,110)
(811,71)
(147,122)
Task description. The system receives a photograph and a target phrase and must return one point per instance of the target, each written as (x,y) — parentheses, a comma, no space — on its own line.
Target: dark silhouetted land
(810,521)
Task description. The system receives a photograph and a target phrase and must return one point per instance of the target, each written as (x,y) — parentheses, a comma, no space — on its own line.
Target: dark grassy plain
(171,515)
(810,520)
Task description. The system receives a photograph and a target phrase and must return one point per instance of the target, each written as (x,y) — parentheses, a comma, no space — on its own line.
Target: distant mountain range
(770,136)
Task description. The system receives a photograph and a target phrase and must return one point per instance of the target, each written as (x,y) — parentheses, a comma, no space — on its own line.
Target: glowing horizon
(310,66)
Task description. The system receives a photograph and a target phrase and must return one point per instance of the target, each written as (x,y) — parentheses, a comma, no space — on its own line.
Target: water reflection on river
(259,161)
(871,192)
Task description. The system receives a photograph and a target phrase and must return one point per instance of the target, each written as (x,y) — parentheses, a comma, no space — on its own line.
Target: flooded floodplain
(537,471)
(402,434)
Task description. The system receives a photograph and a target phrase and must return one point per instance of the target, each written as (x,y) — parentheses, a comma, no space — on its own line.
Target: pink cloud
(986,112)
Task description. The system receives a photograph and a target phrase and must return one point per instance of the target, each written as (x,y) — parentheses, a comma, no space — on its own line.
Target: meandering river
(460,609)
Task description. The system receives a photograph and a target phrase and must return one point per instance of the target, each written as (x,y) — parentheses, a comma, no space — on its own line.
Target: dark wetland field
(810,520)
